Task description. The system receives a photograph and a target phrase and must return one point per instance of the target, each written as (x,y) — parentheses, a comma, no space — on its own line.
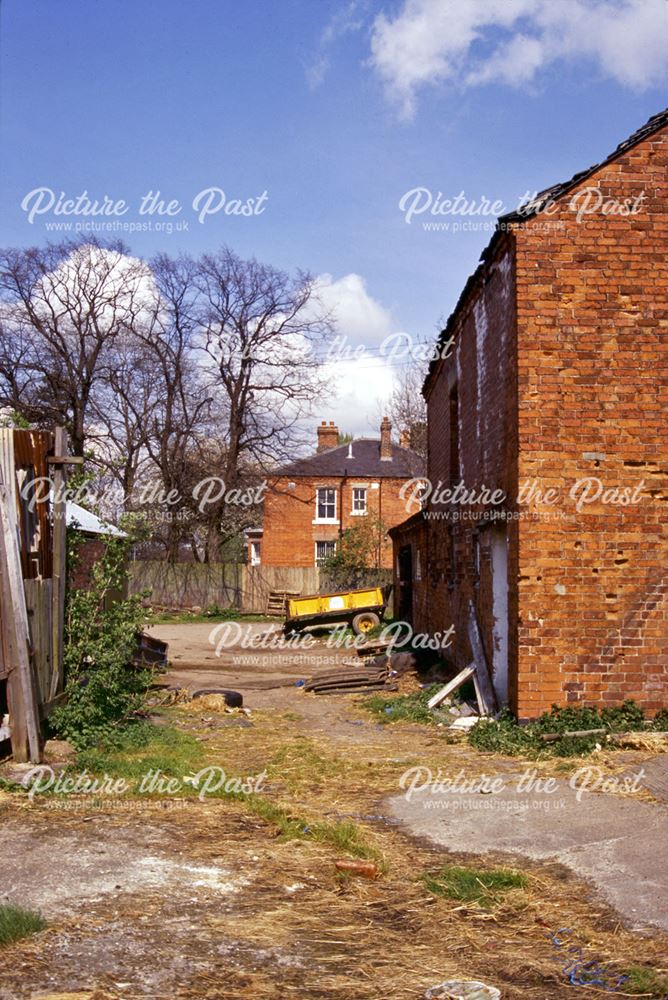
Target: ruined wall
(481,369)
(593,359)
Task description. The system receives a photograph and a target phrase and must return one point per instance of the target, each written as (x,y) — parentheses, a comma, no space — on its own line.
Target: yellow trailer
(362,609)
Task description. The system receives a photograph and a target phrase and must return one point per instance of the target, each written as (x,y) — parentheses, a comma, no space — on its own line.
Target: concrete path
(616,841)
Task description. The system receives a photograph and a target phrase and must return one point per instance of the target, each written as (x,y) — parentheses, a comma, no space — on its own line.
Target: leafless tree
(406,406)
(63,307)
(260,328)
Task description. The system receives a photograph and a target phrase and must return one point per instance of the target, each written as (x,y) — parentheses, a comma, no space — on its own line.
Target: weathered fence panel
(39,605)
(187,585)
(230,585)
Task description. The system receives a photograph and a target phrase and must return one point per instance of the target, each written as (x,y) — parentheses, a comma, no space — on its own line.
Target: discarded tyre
(233,699)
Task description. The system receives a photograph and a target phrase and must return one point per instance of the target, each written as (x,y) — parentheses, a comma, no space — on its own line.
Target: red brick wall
(289,533)
(593,362)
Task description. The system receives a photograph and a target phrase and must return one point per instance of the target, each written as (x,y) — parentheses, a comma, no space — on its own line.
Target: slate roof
(557,190)
(526,212)
(366,462)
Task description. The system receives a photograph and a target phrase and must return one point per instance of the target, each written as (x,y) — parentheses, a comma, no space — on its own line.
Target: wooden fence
(225,585)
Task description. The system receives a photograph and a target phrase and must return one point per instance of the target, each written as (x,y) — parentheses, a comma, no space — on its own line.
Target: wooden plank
(26,741)
(553,737)
(63,459)
(38,603)
(484,688)
(58,572)
(451,686)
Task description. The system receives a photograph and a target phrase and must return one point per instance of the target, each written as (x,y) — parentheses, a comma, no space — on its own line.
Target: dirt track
(183,898)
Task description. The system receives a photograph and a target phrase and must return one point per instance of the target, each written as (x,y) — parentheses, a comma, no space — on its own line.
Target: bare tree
(406,406)
(259,327)
(63,307)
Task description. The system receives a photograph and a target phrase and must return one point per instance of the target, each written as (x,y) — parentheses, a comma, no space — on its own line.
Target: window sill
(359,513)
(325,520)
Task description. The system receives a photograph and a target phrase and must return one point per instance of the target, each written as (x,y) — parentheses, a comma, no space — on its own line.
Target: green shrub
(101,689)
(507,736)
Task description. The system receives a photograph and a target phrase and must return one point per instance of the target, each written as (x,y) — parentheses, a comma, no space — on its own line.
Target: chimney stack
(405,438)
(385,440)
(328,435)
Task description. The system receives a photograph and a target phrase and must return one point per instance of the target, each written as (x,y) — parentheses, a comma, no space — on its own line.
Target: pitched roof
(365,462)
(557,190)
(87,522)
(505,222)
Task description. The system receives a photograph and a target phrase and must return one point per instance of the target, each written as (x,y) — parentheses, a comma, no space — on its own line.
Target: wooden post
(482,679)
(21,687)
(59,565)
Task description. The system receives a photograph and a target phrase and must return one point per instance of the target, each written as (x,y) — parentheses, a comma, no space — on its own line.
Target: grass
(141,747)
(344,837)
(645,982)
(405,708)
(17,923)
(474,885)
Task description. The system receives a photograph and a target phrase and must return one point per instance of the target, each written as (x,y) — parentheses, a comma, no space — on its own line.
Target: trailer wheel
(365,622)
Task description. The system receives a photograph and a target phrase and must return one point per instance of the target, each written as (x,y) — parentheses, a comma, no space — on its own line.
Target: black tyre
(365,622)
(233,699)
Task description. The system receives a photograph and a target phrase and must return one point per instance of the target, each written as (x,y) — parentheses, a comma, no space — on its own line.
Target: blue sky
(335,109)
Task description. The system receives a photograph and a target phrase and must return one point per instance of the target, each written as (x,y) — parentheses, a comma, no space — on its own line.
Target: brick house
(310,502)
(551,387)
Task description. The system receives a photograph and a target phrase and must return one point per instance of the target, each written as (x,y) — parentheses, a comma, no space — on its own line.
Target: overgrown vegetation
(507,736)
(141,747)
(17,922)
(102,689)
(407,708)
(356,562)
(474,885)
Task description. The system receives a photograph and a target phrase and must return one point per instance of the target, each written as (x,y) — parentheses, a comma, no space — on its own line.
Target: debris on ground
(349,679)
(461,989)
(365,869)
(233,699)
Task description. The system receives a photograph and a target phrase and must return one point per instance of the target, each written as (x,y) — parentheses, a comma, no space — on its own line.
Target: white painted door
(500,612)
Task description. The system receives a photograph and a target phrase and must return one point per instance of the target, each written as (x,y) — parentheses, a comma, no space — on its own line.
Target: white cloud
(345,20)
(472,42)
(360,379)
(358,316)
(361,388)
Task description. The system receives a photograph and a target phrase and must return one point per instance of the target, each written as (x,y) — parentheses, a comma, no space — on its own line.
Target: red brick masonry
(557,372)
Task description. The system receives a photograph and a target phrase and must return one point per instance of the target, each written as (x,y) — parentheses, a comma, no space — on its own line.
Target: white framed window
(325,504)
(323,550)
(255,553)
(359,500)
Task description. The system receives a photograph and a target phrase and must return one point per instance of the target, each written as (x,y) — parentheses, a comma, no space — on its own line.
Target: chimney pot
(328,436)
(385,440)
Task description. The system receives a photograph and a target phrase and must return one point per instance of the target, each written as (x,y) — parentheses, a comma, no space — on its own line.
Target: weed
(345,837)
(645,982)
(507,736)
(16,923)
(134,750)
(405,708)
(474,885)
